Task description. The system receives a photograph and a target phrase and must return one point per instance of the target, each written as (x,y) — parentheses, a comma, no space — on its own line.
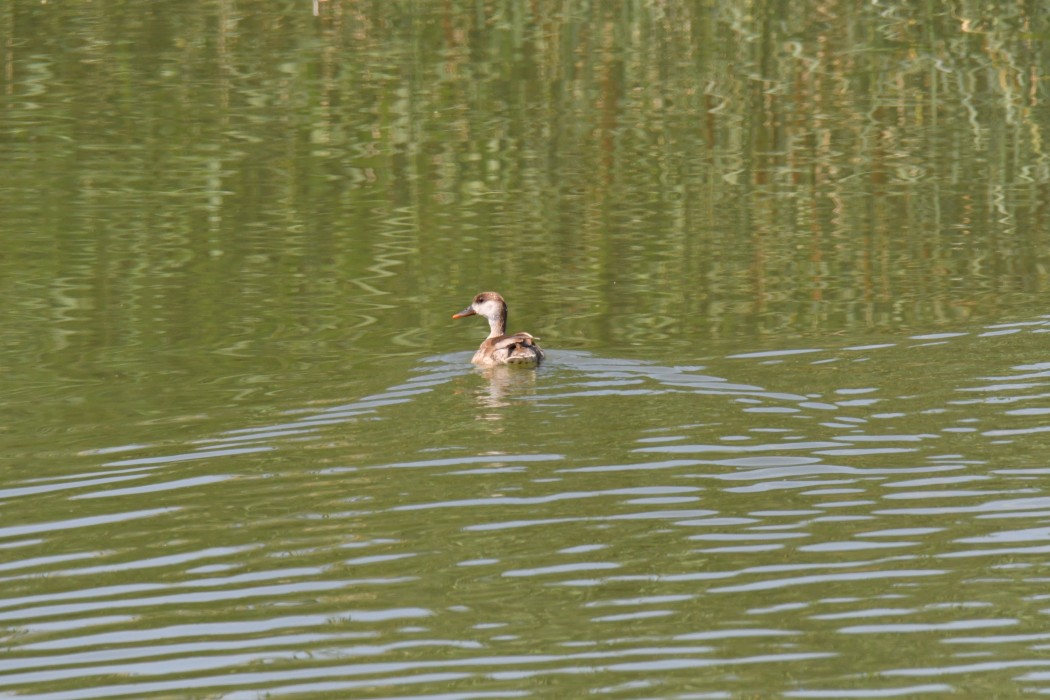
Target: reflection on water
(596,525)
(790,268)
(760,173)
(502,385)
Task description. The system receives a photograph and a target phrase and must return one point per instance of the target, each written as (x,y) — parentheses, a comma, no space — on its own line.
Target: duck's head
(487,304)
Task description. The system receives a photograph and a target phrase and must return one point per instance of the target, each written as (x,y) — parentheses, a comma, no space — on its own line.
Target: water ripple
(329,550)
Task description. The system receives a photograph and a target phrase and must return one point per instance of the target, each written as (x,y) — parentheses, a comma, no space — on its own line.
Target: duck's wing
(520,347)
(526,339)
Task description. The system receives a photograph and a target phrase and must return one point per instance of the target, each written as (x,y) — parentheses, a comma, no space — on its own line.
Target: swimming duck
(498,348)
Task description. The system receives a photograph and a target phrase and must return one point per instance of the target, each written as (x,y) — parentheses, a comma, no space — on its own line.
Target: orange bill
(465,312)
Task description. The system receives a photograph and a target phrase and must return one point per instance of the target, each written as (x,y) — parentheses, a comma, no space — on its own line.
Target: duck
(498,348)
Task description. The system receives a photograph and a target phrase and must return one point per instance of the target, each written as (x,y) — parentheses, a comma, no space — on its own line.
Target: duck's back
(517,349)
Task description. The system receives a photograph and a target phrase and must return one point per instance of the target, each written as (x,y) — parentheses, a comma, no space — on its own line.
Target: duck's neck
(498,324)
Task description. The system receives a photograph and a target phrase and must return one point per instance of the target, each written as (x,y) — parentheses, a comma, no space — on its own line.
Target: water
(789,271)
(601,525)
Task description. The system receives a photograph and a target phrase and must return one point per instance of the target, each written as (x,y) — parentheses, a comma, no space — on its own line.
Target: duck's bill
(465,312)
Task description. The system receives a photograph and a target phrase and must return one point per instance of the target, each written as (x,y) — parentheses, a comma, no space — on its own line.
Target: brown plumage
(499,348)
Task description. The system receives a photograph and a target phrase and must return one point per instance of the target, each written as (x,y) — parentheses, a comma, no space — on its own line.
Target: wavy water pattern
(739,521)
(788,263)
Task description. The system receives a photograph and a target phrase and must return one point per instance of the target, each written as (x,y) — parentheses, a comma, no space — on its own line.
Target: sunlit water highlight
(465,534)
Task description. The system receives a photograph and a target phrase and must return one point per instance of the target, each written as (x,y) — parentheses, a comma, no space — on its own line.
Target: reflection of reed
(658,174)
